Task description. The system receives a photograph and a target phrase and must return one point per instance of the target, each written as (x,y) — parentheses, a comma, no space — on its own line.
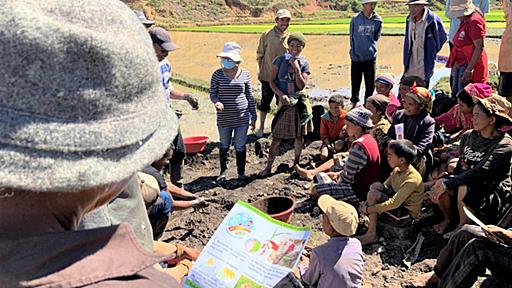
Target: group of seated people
(85,130)
(469,168)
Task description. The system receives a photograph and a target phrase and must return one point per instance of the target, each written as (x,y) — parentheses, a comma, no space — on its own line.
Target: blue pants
(159,214)
(457,82)
(240,137)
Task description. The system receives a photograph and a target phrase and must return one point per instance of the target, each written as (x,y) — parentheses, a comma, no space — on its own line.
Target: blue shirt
(483,5)
(286,77)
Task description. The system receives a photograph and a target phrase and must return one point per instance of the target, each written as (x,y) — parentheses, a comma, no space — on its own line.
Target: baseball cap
(161,37)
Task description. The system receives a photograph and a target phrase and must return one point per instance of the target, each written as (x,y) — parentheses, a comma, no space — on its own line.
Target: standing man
(272,44)
(504,59)
(424,37)
(365,29)
(163,45)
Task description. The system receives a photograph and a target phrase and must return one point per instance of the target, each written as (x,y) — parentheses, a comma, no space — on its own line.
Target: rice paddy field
(393,25)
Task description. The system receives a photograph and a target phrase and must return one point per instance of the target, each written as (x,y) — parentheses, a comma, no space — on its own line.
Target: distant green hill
(178,12)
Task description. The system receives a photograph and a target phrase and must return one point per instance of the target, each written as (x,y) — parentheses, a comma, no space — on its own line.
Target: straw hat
(149,188)
(460,8)
(232,51)
(81,103)
(342,216)
(498,106)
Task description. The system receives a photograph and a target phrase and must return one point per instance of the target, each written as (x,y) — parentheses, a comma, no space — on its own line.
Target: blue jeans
(226,135)
(159,214)
(457,82)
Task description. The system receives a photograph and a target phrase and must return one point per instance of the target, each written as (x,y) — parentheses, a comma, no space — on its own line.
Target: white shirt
(417,46)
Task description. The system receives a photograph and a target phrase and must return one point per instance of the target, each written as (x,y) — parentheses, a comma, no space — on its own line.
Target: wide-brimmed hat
(82,105)
(417,2)
(498,106)
(232,51)
(161,37)
(283,13)
(142,17)
(342,216)
(360,116)
(460,8)
(422,96)
(149,188)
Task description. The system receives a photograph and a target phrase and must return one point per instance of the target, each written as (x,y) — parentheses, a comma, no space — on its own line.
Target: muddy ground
(384,265)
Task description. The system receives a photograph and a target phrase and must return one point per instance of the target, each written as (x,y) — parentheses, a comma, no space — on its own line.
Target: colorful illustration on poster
(240,225)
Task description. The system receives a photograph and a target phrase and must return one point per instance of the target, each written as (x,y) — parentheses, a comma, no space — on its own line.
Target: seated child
(383,85)
(340,261)
(401,196)
(331,124)
(415,124)
(459,118)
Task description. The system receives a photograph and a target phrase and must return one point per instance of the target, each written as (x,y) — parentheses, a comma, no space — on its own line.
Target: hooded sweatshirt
(364,33)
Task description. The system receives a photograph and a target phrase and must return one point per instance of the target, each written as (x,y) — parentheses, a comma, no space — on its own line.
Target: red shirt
(469,30)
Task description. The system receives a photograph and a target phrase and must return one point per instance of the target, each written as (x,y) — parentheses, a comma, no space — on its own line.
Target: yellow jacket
(272,44)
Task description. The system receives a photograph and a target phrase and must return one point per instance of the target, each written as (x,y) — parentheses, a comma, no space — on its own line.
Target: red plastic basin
(195,144)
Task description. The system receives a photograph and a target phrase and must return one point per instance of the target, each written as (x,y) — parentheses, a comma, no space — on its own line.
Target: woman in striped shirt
(231,93)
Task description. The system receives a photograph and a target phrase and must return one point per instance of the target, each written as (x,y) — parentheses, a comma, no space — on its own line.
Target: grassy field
(393,25)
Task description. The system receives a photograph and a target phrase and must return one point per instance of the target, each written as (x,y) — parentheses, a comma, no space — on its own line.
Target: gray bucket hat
(81,103)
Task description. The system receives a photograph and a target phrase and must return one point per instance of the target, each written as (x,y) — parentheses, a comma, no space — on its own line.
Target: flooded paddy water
(328,56)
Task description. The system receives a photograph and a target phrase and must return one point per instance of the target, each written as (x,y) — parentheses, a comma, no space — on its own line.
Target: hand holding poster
(248,249)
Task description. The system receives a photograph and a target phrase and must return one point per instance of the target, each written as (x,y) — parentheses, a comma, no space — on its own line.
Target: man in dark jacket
(425,36)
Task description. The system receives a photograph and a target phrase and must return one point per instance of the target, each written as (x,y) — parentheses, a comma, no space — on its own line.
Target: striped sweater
(236,96)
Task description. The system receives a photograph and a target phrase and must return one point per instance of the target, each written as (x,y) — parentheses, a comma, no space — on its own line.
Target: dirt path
(383,261)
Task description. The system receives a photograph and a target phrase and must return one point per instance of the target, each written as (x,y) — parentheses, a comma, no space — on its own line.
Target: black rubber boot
(176,174)
(223,157)
(240,162)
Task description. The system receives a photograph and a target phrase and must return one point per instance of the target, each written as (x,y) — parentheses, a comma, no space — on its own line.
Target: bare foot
(367,239)
(441,228)
(303,173)
(424,280)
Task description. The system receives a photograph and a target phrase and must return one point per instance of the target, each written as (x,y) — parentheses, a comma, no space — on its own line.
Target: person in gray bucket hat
(77,121)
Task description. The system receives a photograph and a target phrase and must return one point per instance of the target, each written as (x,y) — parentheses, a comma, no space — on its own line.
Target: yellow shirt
(408,186)
(272,44)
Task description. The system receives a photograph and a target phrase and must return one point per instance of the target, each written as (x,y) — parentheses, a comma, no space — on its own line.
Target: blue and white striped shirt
(236,96)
